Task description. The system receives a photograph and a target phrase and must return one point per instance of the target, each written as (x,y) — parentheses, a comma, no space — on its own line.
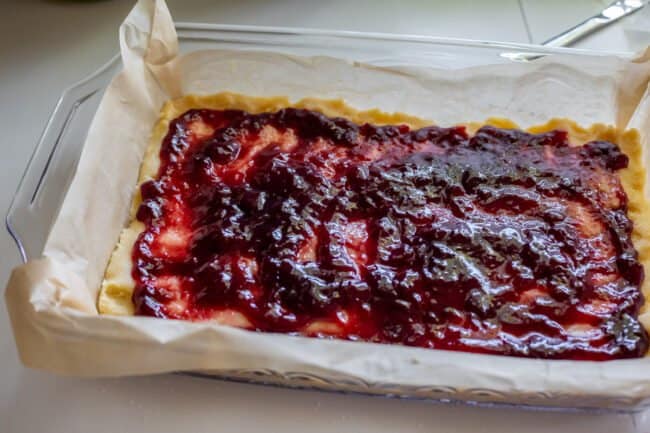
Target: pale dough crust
(117,287)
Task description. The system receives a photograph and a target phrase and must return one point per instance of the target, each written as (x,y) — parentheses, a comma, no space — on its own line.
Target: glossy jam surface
(503,242)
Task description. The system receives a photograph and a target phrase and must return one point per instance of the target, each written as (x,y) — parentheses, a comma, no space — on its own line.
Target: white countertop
(46,45)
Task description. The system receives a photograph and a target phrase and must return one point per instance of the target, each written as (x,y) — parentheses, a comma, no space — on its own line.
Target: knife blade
(610,14)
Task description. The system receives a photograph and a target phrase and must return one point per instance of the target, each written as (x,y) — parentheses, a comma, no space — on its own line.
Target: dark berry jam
(503,242)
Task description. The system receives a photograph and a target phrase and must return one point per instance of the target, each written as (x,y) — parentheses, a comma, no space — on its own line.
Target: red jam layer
(504,242)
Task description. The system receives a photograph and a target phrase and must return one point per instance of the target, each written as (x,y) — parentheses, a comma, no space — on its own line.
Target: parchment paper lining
(51,301)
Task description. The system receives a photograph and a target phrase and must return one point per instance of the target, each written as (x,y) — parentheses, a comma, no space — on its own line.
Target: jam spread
(503,242)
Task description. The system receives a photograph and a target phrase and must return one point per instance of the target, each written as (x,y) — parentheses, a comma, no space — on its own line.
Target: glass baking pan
(53,163)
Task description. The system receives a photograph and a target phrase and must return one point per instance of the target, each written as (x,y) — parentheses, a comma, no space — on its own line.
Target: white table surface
(46,45)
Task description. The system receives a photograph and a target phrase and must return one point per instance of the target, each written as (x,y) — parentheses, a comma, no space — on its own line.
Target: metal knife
(610,14)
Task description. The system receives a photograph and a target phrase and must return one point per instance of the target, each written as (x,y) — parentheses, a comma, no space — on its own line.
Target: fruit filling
(502,242)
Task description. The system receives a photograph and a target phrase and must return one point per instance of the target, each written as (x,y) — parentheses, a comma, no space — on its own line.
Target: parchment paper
(51,300)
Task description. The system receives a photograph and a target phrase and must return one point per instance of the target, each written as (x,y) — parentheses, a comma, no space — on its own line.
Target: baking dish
(51,168)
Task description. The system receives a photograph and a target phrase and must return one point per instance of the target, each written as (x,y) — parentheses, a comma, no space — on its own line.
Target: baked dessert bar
(315,219)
